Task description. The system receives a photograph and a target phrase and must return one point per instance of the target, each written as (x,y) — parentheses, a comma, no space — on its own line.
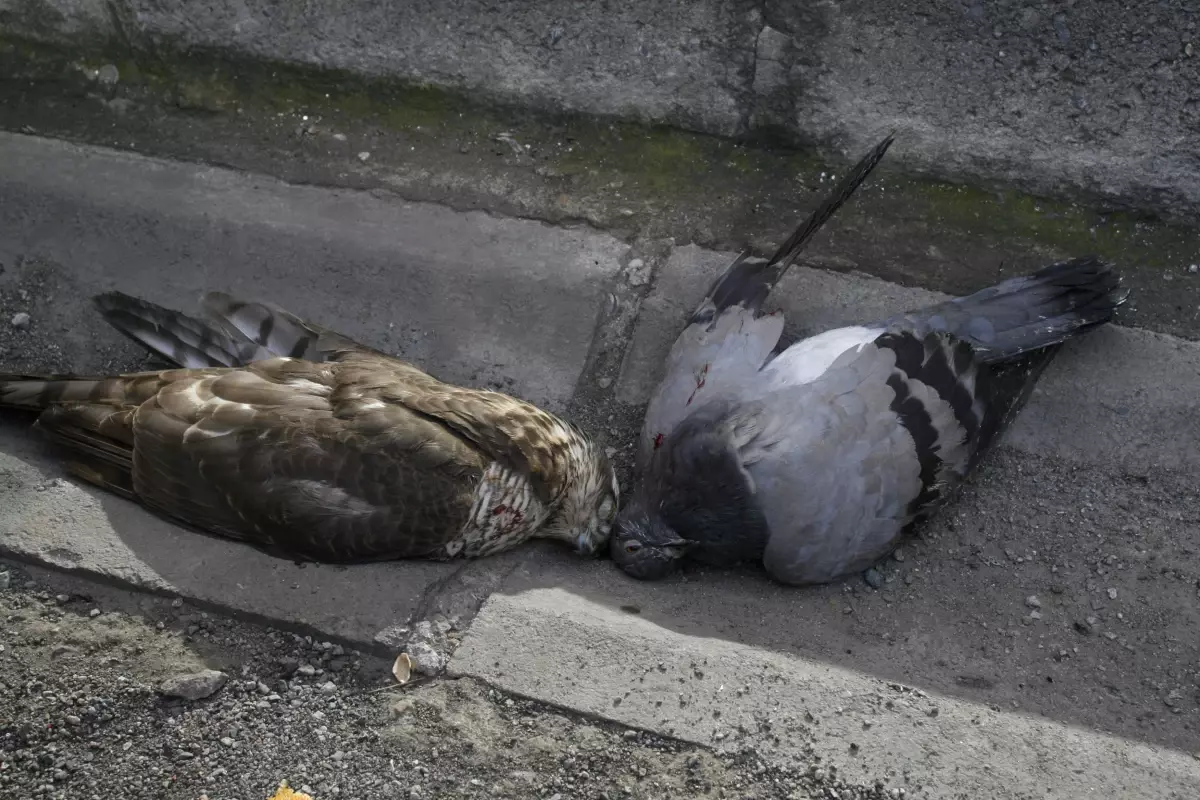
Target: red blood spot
(500,509)
(518,516)
(700,380)
(658,440)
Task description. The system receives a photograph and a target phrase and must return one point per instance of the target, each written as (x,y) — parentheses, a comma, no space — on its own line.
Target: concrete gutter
(942,679)
(1080,98)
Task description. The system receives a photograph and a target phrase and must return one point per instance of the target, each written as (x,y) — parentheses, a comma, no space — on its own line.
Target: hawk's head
(589,501)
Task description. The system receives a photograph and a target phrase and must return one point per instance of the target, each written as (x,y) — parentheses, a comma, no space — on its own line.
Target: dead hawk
(289,436)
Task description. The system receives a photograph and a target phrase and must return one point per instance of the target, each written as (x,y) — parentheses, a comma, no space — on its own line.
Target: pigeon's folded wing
(717,353)
(843,463)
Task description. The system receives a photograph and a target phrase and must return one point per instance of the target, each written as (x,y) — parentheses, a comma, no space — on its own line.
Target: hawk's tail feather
(1031,312)
(91,417)
(748,283)
(175,336)
(277,330)
(37,392)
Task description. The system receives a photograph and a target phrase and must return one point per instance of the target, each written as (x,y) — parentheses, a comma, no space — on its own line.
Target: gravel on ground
(111,694)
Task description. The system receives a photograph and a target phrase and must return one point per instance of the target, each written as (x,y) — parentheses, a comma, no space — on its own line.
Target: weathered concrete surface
(47,519)
(474,297)
(1084,96)
(640,182)
(559,645)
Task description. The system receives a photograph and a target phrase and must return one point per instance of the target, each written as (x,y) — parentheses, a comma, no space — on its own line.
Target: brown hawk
(289,436)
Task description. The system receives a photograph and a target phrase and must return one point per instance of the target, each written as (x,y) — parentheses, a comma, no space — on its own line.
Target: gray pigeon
(815,460)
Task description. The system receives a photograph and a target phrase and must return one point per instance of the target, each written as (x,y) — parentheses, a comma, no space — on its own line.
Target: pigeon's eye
(632,547)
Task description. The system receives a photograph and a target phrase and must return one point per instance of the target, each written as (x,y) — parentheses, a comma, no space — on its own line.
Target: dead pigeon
(301,441)
(815,460)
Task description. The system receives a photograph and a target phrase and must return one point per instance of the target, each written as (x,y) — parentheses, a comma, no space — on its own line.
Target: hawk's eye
(632,547)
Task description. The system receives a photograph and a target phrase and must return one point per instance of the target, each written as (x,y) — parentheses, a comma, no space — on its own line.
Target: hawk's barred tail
(271,328)
(37,392)
(748,284)
(175,336)
(277,330)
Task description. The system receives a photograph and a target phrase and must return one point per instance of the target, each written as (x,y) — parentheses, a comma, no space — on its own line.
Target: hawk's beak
(585,545)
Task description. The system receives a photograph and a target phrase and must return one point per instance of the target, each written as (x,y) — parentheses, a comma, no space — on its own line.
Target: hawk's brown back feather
(359,458)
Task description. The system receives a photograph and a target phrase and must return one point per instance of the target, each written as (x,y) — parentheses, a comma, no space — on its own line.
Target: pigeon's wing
(726,341)
(842,464)
(283,454)
(237,334)
(716,353)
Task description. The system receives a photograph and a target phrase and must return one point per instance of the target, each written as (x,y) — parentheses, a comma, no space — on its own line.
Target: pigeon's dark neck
(706,496)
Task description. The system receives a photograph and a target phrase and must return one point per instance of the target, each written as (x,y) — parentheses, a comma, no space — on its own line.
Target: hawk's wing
(281,453)
(238,333)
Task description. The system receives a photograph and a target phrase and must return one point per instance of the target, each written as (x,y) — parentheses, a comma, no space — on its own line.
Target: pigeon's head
(645,546)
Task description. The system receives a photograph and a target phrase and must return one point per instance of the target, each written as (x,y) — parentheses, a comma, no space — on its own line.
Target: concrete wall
(1049,96)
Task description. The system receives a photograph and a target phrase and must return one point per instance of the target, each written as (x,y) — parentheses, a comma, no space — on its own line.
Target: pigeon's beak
(677,547)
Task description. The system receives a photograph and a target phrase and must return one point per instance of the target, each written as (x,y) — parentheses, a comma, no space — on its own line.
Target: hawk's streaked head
(589,504)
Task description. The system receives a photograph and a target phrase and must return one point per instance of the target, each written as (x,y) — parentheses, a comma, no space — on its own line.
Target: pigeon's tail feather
(1028,313)
(748,283)
(177,337)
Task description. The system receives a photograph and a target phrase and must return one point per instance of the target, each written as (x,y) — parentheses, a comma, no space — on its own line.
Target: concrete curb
(1050,100)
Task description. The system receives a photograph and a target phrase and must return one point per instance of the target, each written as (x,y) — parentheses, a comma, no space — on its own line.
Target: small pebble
(1033,602)
(328,687)
(364,155)
(873,578)
(341,137)
(195,685)
(1112,594)
(108,75)
(20,320)
(95,612)
(899,554)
